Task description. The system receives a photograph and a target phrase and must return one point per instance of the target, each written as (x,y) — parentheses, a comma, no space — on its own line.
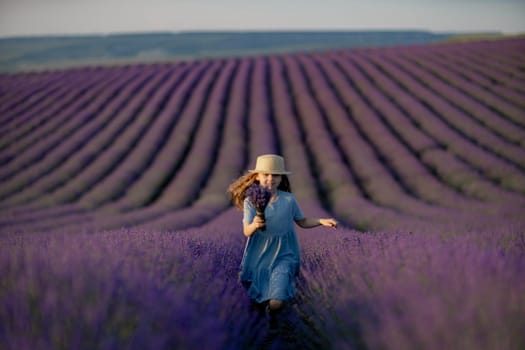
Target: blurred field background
(116,151)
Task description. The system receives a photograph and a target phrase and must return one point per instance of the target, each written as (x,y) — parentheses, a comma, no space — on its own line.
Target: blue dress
(271,259)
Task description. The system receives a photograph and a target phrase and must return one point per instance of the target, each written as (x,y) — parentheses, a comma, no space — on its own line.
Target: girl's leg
(279,285)
(275,304)
(274,308)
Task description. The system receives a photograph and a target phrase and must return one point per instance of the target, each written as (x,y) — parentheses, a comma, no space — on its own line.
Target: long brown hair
(238,188)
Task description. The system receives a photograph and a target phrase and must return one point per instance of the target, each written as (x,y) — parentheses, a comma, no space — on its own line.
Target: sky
(73,17)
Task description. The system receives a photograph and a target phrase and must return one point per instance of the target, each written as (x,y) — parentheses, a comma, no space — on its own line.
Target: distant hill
(28,53)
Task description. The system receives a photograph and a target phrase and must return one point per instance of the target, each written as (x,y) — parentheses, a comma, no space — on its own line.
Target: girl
(271,257)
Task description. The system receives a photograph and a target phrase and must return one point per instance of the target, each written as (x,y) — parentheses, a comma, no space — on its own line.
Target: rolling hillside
(381,138)
(44,52)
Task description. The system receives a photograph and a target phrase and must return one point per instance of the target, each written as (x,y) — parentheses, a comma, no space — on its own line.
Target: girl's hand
(328,222)
(258,222)
(250,229)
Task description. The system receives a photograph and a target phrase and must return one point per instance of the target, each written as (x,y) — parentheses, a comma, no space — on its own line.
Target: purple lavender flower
(259,196)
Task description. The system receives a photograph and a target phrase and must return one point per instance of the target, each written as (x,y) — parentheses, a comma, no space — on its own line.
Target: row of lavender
(394,134)
(139,289)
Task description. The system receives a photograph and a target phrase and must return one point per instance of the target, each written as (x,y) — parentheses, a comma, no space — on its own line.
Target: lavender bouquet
(259,196)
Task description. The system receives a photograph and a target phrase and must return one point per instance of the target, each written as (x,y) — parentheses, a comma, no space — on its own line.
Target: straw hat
(270,164)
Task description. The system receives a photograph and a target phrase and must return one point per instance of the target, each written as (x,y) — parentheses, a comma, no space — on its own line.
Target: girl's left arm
(311,222)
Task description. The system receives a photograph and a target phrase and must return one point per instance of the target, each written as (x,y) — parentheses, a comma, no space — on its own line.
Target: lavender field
(116,231)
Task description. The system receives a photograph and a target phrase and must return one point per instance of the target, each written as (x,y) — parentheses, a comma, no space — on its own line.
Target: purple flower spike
(259,196)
